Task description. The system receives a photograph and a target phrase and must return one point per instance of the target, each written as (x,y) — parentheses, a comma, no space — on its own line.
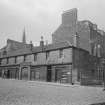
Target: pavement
(21,92)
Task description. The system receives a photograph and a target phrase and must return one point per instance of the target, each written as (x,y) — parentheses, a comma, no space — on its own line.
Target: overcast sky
(42,17)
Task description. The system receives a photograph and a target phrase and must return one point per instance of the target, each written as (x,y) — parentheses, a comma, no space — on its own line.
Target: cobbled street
(17,92)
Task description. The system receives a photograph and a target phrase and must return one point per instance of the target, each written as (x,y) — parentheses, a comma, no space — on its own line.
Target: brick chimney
(69,17)
(76,40)
(31,45)
(42,42)
(24,37)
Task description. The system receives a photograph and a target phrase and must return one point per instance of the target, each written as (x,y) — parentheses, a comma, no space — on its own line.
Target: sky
(42,17)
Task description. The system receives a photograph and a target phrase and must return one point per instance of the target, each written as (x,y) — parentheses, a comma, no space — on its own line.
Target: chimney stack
(42,42)
(31,45)
(24,37)
(46,42)
(76,40)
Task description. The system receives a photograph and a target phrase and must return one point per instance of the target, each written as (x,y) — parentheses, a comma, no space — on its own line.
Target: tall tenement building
(83,34)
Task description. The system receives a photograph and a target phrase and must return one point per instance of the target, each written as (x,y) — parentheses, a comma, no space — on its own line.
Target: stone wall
(29,58)
(41,58)
(53,58)
(80,62)
(67,29)
(67,55)
(11,60)
(20,59)
(69,17)
(83,32)
(4,61)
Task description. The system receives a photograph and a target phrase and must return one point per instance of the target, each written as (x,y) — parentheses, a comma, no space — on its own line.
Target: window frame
(47,54)
(60,53)
(35,56)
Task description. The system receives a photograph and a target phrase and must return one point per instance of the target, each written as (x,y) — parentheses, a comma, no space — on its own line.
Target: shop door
(25,73)
(8,74)
(49,73)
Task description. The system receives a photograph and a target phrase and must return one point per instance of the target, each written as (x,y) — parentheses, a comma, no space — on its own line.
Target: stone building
(60,62)
(73,57)
(83,34)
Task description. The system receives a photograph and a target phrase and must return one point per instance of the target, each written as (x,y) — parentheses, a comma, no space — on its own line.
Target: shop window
(60,53)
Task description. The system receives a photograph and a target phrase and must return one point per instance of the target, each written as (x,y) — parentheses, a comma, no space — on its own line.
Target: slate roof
(58,46)
(27,50)
(16,44)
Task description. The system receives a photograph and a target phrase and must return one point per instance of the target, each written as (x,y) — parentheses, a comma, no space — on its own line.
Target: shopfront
(63,73)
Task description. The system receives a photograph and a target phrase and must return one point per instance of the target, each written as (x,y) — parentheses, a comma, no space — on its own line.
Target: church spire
(24,37)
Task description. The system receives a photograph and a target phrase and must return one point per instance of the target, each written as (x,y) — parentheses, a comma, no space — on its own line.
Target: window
(7,60)
(25,58)
(60,53)
(0,61)
(35,57)
(0,54)
(4,52)
(15,59)
(47,54)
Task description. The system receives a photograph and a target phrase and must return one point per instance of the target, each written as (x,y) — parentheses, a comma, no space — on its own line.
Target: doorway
(8,74)
(49,73)
(24,73)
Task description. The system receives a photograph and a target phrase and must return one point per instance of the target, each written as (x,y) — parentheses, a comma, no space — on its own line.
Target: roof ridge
(15,41)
